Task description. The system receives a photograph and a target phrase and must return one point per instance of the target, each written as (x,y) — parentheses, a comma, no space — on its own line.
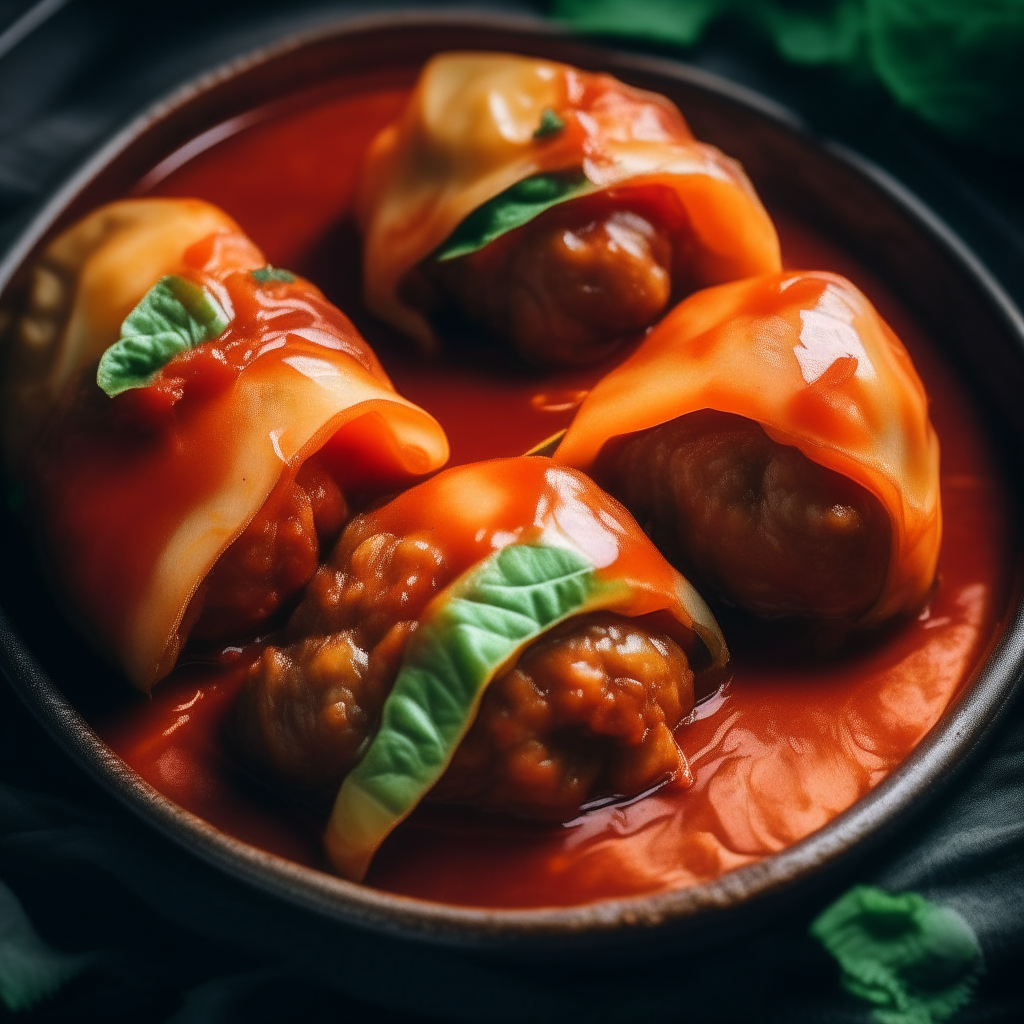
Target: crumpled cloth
(160,936)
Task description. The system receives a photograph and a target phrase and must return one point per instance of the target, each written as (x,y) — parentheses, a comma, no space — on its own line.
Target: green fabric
(513,208)
(957,64)
(172,317)
(29,969)
(912,961)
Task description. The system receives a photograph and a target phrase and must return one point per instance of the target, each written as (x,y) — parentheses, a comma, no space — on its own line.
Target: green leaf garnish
(473,632)
(174,316)
(29,969)
(912,961)
(663,21)
(511,209)
(269,273)
(956,64)
(550,124)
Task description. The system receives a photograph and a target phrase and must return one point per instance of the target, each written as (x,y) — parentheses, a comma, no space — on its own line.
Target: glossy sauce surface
(791,743)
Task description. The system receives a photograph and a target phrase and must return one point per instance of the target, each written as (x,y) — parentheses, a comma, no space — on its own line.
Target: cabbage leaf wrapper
(140,490)
(805,355)
(479,124)
(534,545)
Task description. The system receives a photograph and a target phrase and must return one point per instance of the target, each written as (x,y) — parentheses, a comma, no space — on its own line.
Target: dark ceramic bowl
(868,214)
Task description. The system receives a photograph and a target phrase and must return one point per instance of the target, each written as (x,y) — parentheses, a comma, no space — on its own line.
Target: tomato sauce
(792,742)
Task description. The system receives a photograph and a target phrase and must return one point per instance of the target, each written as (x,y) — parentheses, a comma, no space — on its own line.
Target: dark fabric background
(175,941)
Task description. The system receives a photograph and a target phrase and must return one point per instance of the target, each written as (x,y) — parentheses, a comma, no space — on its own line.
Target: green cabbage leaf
(174,316)
(470,634)
(511,209)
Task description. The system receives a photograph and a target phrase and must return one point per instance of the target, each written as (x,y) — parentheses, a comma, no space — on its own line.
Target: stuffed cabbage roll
(191,425)
(502,636)
(554,210)
(773,437)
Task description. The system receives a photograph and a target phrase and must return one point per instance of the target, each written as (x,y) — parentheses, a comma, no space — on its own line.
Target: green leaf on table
(912,961)
(268,273)
(476,629)
(830,33)
(513,208)
(956,64)
(29,969)
(174,316)
(681,22)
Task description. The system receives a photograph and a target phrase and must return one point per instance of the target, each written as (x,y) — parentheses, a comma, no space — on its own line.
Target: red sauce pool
(790,745)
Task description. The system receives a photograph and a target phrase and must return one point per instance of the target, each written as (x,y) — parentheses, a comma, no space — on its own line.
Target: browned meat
(588,711)
(565,289)
(273,559)
(308,708)
(752,521)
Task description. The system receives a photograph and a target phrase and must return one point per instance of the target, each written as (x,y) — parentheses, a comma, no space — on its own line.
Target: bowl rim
(945,749)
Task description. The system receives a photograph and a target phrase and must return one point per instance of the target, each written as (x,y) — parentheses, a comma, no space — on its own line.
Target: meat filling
(587,711)
(752,521)
(563,290)
(309,707)
(273,558)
